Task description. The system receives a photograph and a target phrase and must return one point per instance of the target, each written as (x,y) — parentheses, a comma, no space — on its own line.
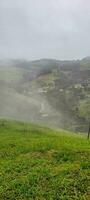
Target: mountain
(47,91)
(86,58)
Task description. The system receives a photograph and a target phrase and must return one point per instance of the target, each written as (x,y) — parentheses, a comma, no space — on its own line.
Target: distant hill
(86,58)
(46,91)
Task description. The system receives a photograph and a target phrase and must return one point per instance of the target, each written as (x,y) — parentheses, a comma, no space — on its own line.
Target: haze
(34,29)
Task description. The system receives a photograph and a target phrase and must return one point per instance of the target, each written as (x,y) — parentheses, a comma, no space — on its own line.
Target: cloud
(44,28)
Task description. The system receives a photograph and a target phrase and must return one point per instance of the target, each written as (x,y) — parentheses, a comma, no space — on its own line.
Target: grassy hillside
(38,163)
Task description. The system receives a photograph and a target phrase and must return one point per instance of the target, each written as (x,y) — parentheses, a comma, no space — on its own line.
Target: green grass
(38,163)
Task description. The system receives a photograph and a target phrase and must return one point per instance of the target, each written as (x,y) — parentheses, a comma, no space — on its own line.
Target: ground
(37,163)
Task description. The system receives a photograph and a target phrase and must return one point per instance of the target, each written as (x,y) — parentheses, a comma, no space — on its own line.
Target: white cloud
(44,28)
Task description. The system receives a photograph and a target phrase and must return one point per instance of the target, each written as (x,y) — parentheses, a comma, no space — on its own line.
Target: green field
(38,163)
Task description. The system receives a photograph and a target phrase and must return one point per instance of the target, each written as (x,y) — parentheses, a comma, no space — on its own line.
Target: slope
(38,163)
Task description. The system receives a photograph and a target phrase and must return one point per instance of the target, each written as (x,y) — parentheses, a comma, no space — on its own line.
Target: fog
(54,30)
(22,100)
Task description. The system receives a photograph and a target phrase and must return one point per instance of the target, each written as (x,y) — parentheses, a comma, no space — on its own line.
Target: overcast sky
(34,29)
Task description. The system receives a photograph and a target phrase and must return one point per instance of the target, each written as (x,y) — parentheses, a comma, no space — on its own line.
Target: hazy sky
(36,29)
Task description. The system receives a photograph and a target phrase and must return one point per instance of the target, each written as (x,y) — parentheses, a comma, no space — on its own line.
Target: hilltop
(41,163)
